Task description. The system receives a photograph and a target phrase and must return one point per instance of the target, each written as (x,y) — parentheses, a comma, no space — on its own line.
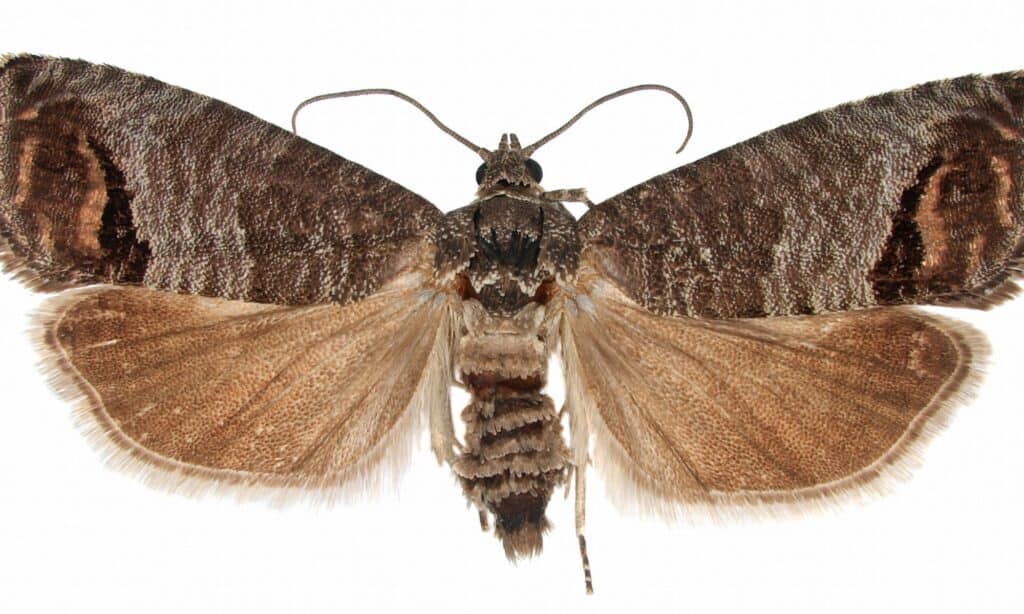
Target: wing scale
(767,410)
(243,394)
(909,197)
(108,176)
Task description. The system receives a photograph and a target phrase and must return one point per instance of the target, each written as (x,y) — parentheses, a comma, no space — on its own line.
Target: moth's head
(508,169)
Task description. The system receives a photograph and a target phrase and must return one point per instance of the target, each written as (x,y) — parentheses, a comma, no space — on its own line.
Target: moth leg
(575,195)
(484,524)
(568,479)
(581,497)
(570,467)
(443,441)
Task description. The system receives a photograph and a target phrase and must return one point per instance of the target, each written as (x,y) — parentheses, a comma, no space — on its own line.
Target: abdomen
(514,454)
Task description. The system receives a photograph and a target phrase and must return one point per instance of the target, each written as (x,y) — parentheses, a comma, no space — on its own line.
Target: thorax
(506,256)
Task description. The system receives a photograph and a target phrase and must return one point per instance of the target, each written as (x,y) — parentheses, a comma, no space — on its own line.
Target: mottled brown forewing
(682,305)
(109,176)
(910,197)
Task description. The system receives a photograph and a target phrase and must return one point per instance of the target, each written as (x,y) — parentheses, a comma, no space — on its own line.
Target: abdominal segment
(514,455)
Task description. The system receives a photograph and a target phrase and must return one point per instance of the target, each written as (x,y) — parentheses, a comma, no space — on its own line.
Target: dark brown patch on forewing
(959,224)
(189,194)
(904,250)
(800,219)
(125,254)
(69,209)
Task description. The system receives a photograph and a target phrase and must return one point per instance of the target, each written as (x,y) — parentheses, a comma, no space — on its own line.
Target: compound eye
(480,172)
(534,169)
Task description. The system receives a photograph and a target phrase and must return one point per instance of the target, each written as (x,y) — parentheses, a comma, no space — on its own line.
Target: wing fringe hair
(635,490)
(378,469)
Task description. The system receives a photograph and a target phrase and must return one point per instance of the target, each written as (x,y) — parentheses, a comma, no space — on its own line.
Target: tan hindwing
(756,411)
(200,392)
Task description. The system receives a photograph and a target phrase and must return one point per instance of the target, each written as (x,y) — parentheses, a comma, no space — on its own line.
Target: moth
(238,308)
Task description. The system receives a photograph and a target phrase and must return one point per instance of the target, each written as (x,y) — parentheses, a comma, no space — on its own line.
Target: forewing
(109,176)
(234,393)
(910,197)
(764,410)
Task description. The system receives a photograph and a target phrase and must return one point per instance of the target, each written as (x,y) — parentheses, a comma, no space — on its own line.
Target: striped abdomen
(514,455)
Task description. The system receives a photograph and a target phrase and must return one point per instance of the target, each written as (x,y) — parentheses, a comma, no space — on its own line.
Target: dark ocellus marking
(893,275)
(954,225)
(796,220)
(126,256)
(231,206)
(71,208)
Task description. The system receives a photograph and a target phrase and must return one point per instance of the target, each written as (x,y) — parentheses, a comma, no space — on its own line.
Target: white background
(78,537)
